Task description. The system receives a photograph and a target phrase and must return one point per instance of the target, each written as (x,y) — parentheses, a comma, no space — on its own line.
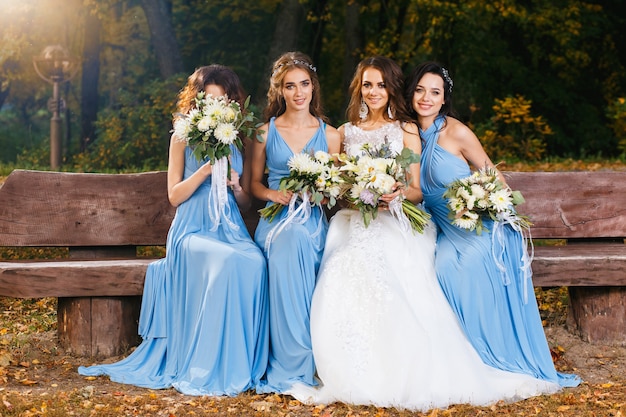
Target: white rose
(205,124)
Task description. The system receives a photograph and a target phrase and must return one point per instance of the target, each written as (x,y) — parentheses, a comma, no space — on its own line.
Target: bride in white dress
(382,330)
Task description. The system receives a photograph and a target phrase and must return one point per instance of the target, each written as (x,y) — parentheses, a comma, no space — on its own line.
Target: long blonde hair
(275,101)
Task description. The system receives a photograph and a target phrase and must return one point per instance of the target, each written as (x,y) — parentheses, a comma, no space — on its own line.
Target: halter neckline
(436,125)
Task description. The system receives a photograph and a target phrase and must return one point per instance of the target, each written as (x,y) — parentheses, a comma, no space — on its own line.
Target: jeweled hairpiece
(297,62)
(446,77)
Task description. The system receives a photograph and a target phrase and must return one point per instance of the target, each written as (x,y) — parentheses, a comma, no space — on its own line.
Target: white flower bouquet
(213,125)
(374,174)
(483,195)
(209,129)
(313,178)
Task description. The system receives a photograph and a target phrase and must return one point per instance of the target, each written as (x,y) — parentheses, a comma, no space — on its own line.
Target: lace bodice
(355,137)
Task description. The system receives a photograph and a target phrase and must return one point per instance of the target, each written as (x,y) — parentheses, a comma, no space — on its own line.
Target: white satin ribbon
(218,196)
(498,242)
(395,207)
(296,214)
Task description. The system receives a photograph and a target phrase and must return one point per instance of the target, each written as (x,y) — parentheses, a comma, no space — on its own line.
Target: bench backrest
(572,205)
(42,208)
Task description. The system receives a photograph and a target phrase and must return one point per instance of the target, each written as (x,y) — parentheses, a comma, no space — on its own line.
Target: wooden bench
(101,218)
(588,211)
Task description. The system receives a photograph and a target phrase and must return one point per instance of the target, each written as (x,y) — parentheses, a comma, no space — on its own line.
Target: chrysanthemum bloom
(226,133)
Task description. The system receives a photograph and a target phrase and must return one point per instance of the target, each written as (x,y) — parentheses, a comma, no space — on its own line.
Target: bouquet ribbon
(498,246)
(296,214)
(218,196)
(395,207)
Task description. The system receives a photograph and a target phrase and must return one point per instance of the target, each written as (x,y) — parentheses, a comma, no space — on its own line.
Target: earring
(363,110)
(389,112)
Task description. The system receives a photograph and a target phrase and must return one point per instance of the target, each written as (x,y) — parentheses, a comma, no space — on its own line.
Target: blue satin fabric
(204,316)
(497,309)
(293,259)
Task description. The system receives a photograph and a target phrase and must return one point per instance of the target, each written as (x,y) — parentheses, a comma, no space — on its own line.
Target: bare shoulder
(342,128)
(410,134)
(332,132)
(264,127)
(410,127)
(177,143)
(262,130)
(458,131)
(456,127)
(462,141)
(334,139)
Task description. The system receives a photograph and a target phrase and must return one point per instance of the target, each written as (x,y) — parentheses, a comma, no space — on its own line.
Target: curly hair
(275,100)
(394,84)
(210,74)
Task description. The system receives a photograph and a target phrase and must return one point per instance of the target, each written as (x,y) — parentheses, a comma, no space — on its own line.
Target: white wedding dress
(382,330)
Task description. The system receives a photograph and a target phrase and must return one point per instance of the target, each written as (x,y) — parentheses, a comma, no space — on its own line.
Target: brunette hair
(394,83)
(417,74)
(210,74)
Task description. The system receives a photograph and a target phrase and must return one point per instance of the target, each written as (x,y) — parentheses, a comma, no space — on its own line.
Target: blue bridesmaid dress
(492,297)
(293,257)
(204,318)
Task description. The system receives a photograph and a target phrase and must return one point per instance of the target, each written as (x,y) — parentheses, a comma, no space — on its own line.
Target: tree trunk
(163,38)
(354,45)
(89,82)
(402,12)
(317,32)
(286,31)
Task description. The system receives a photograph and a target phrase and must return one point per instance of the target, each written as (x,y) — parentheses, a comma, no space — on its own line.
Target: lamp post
(56,66)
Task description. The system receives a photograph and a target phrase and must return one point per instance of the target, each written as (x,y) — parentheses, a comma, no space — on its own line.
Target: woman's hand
(279,196)
(398,190)
(233,182)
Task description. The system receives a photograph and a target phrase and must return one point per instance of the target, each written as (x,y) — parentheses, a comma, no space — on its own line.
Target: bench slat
(580,265)
(73,278)
(44,208)
(564,205)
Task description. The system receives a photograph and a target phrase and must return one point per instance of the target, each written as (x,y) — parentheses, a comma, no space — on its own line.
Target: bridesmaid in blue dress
(204,319)
(487,277)
(293,245)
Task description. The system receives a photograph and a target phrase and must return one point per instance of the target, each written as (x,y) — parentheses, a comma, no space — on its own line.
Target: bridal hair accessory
(446,76)
(363,110)
(296,62)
